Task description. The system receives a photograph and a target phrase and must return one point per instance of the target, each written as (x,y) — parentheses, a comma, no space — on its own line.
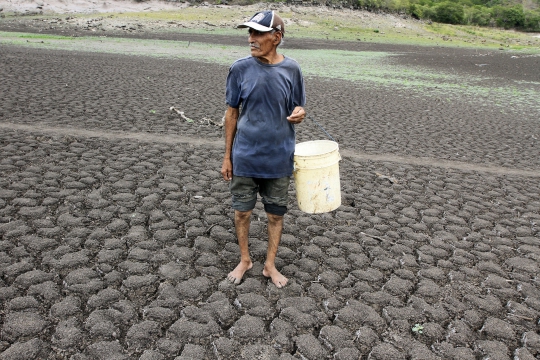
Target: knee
(273,218)
(242,215)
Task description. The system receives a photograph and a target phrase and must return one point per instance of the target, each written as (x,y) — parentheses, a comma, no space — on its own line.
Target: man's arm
(231,118)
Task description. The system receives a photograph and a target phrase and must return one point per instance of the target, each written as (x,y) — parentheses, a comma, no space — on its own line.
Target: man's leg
(275,228)
(242,220)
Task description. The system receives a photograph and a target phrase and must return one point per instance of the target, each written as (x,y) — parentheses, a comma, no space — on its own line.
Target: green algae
(365,68)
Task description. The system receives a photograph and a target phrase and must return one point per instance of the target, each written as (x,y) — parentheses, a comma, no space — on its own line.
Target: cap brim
(254,26)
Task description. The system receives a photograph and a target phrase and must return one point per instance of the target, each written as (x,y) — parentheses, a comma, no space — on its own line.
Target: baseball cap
(265,21)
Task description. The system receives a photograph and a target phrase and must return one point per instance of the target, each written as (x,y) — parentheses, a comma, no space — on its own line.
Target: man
(260,138)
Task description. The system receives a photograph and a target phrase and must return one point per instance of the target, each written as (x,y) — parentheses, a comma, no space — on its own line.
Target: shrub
(477,15)
(418,11)
(395,5)
(428,3)
(429,12)
(532,20)
(509,17)
(415,11)
(370,4)
(449,13)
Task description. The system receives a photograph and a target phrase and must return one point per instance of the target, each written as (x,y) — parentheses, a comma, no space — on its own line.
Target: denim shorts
(274,194)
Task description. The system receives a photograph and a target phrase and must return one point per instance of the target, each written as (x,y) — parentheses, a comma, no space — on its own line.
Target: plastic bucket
(316,176)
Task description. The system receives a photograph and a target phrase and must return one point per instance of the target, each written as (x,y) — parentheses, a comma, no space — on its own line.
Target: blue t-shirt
(267,93)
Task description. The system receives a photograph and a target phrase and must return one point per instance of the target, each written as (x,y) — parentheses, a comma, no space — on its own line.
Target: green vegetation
(418,329)
(323,22)
(501,13)
(365,68)
(509,14)
(42,36)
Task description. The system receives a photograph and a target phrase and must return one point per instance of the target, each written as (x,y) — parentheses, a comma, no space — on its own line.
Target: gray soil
(116,231)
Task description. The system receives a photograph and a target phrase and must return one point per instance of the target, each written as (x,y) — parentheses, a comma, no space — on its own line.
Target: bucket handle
(327,134)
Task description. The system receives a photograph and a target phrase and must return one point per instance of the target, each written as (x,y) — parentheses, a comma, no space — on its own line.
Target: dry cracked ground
(116,232)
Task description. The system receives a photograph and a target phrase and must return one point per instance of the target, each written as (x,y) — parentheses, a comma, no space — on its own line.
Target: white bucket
(316,176)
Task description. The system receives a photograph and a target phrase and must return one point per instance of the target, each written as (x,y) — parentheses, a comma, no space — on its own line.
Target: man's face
(262,44)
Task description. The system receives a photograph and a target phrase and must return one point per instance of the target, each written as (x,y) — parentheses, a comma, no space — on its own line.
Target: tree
(532,20)
(509,17)
(449,13)
(477,15)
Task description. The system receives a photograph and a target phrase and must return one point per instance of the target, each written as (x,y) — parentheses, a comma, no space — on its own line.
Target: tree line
(495,13)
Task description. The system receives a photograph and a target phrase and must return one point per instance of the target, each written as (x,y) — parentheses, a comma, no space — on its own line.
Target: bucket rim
(335,147)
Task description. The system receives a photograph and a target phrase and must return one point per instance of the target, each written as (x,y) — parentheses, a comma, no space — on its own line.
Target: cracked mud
(116,232)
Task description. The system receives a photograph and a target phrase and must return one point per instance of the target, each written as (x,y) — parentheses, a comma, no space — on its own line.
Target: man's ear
(278,37)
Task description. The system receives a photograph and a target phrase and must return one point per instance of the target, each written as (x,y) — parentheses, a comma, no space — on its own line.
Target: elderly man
(268,87)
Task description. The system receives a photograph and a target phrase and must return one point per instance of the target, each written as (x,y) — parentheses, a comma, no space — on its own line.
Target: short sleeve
(299,91)
(233,90)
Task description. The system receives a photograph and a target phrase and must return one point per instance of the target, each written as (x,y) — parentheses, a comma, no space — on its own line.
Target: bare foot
(277,278)
(236,275)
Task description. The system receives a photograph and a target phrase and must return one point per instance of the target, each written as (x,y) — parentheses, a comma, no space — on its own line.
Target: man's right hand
(226,170)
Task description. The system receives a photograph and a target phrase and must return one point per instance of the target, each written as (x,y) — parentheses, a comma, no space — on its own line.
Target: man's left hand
(297,115)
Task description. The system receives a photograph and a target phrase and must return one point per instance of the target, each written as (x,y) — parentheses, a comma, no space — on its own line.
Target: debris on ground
(181,113)
(211,122)
(204,120)
(393,180)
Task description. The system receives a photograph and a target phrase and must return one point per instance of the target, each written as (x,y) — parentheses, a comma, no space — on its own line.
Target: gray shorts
(274,194)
